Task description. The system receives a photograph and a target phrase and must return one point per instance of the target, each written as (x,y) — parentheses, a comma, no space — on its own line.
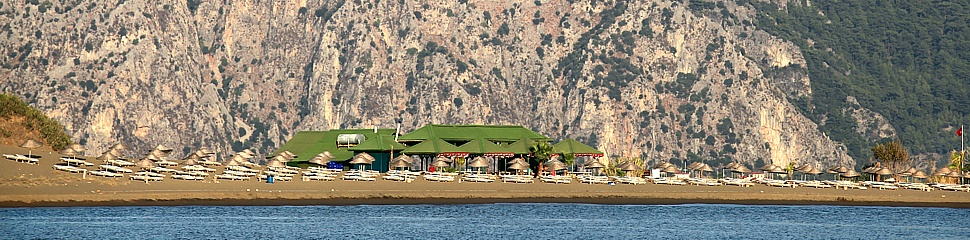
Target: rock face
(657,79)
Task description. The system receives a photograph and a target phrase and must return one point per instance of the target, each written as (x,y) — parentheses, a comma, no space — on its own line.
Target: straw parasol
(362,158)
(68,152)
(478,162)
(403,157)
(840,169)
(518,166)
(731,165)
(850,174)
(954,174)
(119,147)
(694,165)
(275,163)
(662,165)
(942,171)
(30,145)
(398,163)
(919,174)
(883,171)
(776,169)
(191,160)
(280,158)
(145,163)
(321,158)
(629,166)
(741,169)
(671,169)
(439,163)
(594,164)
(445,159)
(554,165)
(77,147)
(107,156)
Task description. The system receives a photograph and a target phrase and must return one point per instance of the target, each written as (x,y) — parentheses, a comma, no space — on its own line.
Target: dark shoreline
(450,201)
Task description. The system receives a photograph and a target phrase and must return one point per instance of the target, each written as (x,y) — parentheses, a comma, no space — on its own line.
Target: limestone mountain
(661,80)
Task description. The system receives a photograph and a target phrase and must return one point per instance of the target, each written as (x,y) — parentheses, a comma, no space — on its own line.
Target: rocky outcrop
(658,79)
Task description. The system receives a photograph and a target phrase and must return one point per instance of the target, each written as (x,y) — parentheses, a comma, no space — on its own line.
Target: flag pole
(963,153)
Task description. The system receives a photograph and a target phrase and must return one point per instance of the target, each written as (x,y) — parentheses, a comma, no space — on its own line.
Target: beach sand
(23,185)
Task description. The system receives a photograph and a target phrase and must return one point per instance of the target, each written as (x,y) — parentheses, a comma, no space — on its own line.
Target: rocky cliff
(653,79)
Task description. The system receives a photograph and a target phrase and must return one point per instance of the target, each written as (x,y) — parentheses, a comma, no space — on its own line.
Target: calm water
(487,221)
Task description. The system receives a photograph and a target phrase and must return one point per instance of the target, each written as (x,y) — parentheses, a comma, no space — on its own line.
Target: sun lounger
(231,177)
(145,178)
(22,158)
(318,178)
(210,163)
(106,173)
(115,168)
(66,168)
(120,163)
(198,168)
(166,163)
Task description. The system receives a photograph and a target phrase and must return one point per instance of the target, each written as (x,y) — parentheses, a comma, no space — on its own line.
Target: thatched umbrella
(629,166)
(321,159)
(942,171)
(439,164)
(68,152)
(30,145)
(145,163)
(77,147)
(190,160)
(954,174)
(554,165)
(107,156)
(919,174)
(398,163)
(741,169)
(275,163)
(445,159)
(518,166)
(405,158)
(362,158)
(662,165)
(281,158)
(731,165)
(694,165)
(850,174)
(478,163)
(594,164)
(671,169)
(705,168)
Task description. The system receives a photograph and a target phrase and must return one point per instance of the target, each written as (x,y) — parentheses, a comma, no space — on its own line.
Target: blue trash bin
(269,179)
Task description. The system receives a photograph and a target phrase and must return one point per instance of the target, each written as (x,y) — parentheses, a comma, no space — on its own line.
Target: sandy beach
(24,185)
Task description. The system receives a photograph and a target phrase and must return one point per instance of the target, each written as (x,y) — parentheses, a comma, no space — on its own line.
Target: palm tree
(541,152)
(569,159)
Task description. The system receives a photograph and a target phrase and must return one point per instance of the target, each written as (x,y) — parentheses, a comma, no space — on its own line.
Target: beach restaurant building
(495,143)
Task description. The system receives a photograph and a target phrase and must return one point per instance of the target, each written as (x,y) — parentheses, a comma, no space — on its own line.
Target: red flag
(960,132)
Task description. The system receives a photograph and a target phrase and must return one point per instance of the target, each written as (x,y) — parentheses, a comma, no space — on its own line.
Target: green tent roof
(307,144)
(433,146)
(502,133)
(485,147)
(382,143)
(576,148)
(522,146)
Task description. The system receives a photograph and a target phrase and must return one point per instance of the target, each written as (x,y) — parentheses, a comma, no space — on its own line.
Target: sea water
(486,221)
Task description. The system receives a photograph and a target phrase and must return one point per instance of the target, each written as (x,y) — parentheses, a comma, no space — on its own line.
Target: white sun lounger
(71,169)
(22,158)
(145,178)
(106,173)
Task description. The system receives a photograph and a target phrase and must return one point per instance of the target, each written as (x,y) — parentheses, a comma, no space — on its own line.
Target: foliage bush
(52,131)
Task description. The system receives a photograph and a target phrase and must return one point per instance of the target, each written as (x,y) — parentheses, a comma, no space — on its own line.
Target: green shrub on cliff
(52,131)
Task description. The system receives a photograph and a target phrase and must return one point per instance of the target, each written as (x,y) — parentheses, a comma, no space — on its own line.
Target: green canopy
(501,133)
(307,144)
(522,146)
(382,144)
(571,146)
(435,146)
(484,147)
